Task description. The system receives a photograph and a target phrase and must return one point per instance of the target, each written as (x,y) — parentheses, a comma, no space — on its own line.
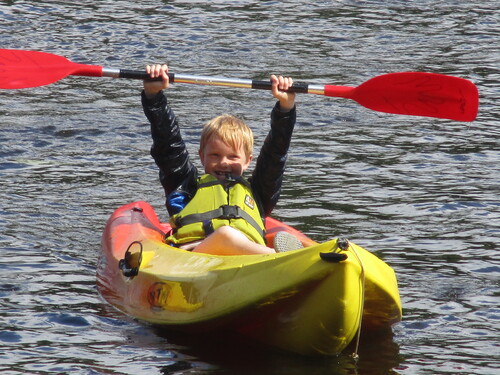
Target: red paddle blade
(417,94)
(21,69)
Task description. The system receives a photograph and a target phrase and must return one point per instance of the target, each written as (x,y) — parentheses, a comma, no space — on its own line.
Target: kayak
(310,301)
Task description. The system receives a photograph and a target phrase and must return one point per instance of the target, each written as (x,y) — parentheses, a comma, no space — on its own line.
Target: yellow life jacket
(215,204)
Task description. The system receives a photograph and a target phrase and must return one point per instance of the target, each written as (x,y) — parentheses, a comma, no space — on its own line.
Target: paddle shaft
(303,88)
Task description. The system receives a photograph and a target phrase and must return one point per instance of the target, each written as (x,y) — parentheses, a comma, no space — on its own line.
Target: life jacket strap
(225,212)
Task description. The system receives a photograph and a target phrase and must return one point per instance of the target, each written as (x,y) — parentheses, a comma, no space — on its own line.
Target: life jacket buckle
(230,212)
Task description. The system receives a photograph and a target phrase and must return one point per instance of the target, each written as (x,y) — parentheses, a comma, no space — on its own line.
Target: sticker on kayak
(170,296)
(249,202)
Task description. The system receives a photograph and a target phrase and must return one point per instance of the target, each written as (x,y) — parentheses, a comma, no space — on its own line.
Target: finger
(164,75)
(281,84)
(274,85)
(151,70)
(163,70)
(157,70)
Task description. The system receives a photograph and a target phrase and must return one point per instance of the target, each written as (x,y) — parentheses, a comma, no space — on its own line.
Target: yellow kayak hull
(306,301)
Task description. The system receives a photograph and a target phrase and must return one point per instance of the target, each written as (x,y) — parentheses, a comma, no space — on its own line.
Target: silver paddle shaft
(212,81)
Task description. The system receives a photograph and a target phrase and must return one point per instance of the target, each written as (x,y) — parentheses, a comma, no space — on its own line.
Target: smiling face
(219,159)
(226,146)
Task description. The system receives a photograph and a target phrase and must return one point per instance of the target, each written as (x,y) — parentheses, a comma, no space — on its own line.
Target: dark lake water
(421,193)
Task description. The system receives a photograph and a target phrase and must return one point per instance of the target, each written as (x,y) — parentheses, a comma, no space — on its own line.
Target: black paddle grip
(140,74)
(267,85)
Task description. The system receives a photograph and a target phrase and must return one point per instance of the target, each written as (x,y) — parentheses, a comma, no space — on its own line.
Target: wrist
(286,106)
(150,94)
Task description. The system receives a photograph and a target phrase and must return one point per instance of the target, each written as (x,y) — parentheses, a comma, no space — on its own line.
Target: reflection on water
(422,193)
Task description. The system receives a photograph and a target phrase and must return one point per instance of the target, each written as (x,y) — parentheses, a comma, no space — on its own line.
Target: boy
(207,224)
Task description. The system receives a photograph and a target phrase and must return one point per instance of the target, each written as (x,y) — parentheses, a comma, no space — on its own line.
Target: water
(421,193)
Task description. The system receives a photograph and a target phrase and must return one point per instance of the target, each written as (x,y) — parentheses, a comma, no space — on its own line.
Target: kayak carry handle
(342,244)
(129,265)
(333,257)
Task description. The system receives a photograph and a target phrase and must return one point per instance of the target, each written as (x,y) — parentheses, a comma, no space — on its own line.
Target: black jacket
(177,172)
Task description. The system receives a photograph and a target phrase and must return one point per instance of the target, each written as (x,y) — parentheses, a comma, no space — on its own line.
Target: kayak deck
(309,301)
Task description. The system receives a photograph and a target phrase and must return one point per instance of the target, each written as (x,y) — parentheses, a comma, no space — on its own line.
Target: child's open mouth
(222,174)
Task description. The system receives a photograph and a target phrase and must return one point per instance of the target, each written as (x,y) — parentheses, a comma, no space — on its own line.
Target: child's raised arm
(279,86)
(151,88)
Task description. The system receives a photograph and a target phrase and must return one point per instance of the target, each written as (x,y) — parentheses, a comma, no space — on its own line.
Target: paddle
(408,93)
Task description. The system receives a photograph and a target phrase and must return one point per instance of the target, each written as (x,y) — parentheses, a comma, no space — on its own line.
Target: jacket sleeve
(168,150)
(267,176)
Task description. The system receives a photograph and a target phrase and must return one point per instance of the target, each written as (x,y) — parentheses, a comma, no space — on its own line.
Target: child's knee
(229,233)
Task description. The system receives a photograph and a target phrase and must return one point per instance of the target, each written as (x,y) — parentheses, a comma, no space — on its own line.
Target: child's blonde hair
(231,130)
